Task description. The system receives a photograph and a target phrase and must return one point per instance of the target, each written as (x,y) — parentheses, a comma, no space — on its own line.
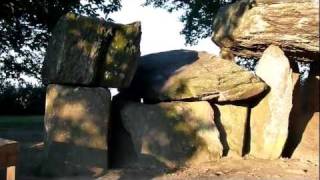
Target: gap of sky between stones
(160,29)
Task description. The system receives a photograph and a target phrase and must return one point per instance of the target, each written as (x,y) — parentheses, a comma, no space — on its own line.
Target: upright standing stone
(76,121)
(231,122)
(303,140)
(172,134)
(270,117)
(308,147)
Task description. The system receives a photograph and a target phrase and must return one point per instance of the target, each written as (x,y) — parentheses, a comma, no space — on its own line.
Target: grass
(17,122)
(28,132)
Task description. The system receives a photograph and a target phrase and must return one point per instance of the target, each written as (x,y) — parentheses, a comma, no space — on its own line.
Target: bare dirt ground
(226,169)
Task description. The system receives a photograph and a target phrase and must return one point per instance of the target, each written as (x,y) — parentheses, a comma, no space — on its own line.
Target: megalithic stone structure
(248,27)
(182,75)
(172,134)
(85,56)
(88,51)
(269,119)
(76,120)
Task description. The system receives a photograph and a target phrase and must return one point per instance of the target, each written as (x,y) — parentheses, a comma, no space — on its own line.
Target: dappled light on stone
(174,134)
(76,124)
(182,109)
(90,51)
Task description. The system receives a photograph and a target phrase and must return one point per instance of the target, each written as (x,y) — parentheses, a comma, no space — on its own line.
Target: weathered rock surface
(308,148)
(120,63)
(172,134)
(270,117)
(248,28)
(231,121)
(76,131)
(90,51)
(303,139)
(121,147)
(191,75)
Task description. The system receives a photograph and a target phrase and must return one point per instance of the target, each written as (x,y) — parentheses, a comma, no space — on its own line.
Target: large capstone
(192,75)
(90,51)
(248,27)
(270,117)
(76,121)
(172,134)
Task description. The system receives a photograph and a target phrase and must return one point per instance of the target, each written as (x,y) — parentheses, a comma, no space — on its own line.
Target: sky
(160,29)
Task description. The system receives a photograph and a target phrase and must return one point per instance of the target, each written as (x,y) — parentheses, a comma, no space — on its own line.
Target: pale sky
(160,29)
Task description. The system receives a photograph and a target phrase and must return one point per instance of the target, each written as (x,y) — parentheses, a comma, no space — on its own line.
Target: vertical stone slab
(308,148)
(173,134)
(303,139)
(270,117)
(231,122)
(76,121)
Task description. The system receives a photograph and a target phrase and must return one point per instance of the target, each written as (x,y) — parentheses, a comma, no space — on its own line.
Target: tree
(197,18)
(25,28)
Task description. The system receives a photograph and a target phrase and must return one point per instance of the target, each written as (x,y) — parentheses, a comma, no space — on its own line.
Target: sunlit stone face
(76,120)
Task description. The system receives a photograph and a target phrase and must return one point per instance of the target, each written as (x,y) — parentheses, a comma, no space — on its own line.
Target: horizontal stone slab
(248,27)
(192,75)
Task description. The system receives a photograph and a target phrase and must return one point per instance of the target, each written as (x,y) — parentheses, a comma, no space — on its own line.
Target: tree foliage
(197,18)
(23,100)
(25,27)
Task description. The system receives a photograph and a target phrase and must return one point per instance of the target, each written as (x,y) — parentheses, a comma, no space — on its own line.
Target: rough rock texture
(231,121)
(120,63)
(270,117)
(191,75)
(76,131)
(248,28)
(121,147)
(303,139)
(90,51)
(172,134)
(308,148)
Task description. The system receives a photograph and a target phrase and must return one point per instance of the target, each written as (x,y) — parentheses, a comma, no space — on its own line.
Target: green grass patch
(17,122)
